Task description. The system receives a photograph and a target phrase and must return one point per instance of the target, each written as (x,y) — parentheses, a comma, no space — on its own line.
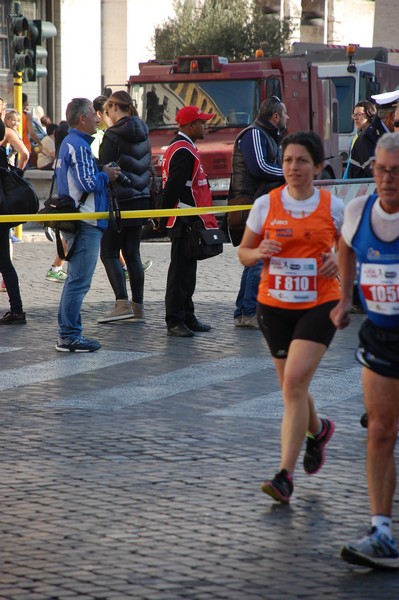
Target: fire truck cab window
(273,88)
(234,103)
(345,87)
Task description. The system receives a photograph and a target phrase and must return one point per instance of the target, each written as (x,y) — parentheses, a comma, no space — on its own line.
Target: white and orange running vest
(291,280)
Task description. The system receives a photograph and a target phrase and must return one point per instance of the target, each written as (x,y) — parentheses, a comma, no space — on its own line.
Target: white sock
(55,269)
(318,432)
(383,524)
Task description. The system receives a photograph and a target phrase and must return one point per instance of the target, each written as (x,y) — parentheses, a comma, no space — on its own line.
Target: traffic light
(39,31)
(25,40)
(19,47)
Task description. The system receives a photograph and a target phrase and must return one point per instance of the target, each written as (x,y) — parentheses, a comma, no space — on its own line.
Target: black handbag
(201,243)
(56,205)
(17,196)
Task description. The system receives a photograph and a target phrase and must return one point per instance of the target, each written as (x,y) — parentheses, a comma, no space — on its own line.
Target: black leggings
(128,240)
(8,272)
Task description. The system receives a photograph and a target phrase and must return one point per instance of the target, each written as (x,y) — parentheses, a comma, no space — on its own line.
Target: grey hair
(76,108)
(388,142)
(384,113)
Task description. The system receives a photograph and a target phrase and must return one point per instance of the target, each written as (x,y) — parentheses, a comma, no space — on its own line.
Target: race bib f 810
(293,279)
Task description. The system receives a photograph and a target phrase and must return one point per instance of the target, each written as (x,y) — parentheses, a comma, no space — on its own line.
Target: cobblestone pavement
(135,472)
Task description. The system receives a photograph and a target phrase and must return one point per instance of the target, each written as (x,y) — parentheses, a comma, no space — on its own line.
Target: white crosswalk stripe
(4,349)
(327,389)
(63,366)
(156,387)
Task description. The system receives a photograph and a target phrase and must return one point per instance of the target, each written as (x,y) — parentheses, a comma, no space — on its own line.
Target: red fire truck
(233,91)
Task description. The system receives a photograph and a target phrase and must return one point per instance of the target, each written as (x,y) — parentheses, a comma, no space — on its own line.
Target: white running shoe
(375,550)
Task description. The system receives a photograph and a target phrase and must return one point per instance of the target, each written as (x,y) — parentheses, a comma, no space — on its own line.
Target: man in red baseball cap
(188,114)
(185,185)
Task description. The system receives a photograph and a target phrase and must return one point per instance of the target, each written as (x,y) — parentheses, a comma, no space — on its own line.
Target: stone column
(334,9)
(292,9)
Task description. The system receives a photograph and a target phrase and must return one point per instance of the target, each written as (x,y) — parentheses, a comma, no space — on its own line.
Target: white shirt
(385,225)
(298,209)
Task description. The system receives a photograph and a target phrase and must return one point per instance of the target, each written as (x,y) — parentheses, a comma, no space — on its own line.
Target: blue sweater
(76,173)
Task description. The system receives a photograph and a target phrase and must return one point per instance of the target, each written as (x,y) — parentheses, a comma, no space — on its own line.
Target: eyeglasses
(396,123)
(356,115)
(380,171)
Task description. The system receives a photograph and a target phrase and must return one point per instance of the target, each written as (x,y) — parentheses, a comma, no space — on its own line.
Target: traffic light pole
(18,107)
(25,51)
(18,97)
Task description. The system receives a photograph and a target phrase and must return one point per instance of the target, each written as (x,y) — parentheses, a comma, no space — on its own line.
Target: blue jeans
(246,303)
(81,267)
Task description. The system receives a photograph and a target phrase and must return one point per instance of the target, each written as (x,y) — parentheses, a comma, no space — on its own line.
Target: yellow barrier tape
(125,214)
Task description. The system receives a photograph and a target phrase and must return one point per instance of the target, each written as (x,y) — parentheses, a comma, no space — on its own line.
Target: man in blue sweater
(78,176)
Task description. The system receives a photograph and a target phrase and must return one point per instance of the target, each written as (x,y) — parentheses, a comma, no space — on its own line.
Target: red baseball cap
(188,114)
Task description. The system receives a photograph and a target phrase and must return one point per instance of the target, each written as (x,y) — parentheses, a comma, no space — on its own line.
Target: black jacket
(257,169)
(180,171)
(127,143)
(363,150)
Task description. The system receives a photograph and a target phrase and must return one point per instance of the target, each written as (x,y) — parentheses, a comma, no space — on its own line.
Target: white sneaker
(247,321)
(375,550)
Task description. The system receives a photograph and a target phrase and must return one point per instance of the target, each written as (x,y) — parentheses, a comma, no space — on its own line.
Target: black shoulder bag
(201,243)
(55,205)
(17,196)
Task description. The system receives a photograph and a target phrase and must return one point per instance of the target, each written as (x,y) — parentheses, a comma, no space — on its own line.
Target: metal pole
(18,107)
(18,98)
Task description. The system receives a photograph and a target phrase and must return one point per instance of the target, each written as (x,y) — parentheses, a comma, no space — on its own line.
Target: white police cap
(387,99)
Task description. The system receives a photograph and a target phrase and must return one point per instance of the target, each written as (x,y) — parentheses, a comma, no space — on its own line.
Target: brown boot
(138,310)
(122,311)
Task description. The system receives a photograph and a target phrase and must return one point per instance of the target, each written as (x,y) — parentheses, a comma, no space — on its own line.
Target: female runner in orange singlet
(294,229)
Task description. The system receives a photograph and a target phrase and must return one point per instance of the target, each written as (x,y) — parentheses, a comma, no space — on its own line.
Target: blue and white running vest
(377,272)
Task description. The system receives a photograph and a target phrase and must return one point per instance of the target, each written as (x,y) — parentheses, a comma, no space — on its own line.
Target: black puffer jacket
(127,143)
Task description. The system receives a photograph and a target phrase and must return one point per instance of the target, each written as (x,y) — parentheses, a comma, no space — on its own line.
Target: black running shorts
(379,349)
(281,325)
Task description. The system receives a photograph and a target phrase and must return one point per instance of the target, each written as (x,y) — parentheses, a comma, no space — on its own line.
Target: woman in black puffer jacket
(126,143)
